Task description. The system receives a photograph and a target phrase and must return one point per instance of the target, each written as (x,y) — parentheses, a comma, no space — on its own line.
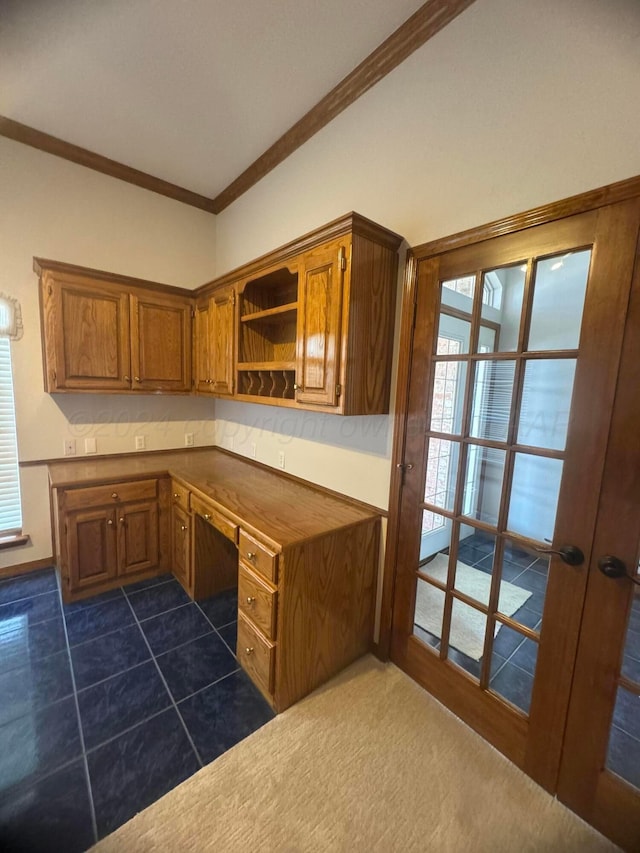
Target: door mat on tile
(467,624)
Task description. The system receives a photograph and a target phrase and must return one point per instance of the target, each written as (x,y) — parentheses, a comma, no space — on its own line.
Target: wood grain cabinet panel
(138,540)
(319,314)
(86,335)
(315,326)
(160,343)
(181,545)
(109,532)
(214,343)
(91,538)
(105,333)
(256,655)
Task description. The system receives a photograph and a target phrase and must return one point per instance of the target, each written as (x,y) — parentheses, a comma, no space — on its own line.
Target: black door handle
(570,554)
(613,567)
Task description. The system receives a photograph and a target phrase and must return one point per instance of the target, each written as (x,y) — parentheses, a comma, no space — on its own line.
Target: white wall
(514,104)
(517,103)
(54,209)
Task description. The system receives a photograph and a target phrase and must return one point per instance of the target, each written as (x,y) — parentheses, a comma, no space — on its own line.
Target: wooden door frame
(582,203)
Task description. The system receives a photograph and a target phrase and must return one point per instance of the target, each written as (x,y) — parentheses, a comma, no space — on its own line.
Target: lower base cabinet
(304,562)
(109,534)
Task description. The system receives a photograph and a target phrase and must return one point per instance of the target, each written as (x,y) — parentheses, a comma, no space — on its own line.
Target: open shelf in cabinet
(267,381)
(267,335)
(272,315)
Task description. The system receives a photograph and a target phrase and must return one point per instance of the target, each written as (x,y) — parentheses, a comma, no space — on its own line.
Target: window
(10,505)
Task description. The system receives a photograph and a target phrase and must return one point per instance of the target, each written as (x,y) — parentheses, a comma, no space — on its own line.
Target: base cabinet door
(91,545)
(181,544)
(138,539)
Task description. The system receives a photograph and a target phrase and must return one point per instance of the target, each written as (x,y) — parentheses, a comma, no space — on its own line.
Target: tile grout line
(156,713)
(166,686)
(216,630)
(92,808)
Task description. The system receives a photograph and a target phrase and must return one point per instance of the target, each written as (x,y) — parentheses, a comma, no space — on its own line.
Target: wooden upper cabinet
(86,335)
(160,343)
(221,352)
(319,331)
(214,343)
(202,347)
(108,333)
(316,319)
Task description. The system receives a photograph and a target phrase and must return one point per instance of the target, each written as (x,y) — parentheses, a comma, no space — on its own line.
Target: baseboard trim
(25,568)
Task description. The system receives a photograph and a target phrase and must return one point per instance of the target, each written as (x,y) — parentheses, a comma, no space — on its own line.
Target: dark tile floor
(107,704)
(514,656)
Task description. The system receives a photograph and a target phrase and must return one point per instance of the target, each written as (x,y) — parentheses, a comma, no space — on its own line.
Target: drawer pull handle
(127,379)
(137,378)
(250,599)
(121,520)
(207,516)
(176,496)
(114,495)
(110,521)
(248,650)
(183,527)
(250,555)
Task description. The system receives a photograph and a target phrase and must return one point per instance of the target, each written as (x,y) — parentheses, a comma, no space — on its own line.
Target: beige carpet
(370,762)
(467,625)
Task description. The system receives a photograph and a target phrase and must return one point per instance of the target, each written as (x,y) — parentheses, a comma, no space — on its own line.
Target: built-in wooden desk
(305,561)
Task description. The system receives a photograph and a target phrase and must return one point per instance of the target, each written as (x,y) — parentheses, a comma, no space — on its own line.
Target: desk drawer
(257,601)
(255,654)
(109,494)
(180,495)
(213,517)
(258,556)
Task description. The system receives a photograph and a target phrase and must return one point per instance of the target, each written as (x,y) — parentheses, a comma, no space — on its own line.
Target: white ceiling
(191,91)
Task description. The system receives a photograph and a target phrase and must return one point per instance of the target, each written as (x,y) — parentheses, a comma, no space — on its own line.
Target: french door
(509,451)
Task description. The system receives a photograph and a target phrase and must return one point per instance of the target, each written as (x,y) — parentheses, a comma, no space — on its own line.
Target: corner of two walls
(54,209)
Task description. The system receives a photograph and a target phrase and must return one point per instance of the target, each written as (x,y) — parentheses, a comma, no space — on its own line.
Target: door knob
(613,567)
(570,554)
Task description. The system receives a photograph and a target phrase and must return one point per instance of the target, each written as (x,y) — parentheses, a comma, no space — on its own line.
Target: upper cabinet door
(221,347)
(319,324)
(160,343)
(202,343)
(86,336)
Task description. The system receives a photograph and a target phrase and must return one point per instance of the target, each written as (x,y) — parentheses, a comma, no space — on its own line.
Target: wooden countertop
(280,509)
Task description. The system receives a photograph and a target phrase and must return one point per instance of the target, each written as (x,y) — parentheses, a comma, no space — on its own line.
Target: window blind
(10,506)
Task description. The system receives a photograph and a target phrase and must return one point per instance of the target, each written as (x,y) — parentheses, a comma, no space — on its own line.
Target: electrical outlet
(188,439)
(140,442)
(281,459)
(69,447)
(90,445)
(253,450)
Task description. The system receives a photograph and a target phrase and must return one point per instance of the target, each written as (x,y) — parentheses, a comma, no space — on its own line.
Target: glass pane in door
(623,756)
(546,402)
(534,496)
(501,313)
(491,399)
(558,300)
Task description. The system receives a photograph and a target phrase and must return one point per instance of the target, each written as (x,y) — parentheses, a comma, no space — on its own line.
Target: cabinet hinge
(342,258)
(415,314)
(50,290)
(338,390)
(193,313)
(233,297)
(54,375)
(233,386)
